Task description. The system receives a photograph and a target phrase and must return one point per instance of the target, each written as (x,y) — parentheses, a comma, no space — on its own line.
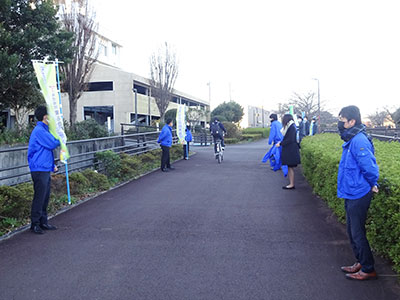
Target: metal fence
(382,134)
(13,161)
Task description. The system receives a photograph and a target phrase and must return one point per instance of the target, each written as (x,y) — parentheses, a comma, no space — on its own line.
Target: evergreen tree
(28,30)
(228,111)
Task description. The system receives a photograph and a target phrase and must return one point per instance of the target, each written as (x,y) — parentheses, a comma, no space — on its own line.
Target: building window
(114,49)
(99,86)
(140,89)
(103,49)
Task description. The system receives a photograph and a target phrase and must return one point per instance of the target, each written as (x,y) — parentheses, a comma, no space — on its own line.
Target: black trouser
(186,150)
(165,162)
(356,216)
(41,186)
(216,138)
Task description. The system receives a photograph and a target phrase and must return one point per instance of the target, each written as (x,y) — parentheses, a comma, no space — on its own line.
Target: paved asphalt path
(202,231)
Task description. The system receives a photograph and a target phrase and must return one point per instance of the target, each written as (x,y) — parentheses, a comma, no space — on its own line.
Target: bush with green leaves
(97,181)
(320,156)
(232,130)
(264,132)
(87,129)
(109,163)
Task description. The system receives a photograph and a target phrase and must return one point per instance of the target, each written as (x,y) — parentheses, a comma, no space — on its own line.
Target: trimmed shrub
(109,163)
(79,184)
(232,129)
(97,181)
(231,140)
(251,136)
(264,132)
(320,156)
(87,129)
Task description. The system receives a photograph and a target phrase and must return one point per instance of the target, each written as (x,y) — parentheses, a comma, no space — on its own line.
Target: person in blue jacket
(41,163)
(165,140)
(188,139)
(275,135)
(356,182)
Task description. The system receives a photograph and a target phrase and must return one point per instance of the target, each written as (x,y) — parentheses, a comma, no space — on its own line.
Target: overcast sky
(260,52)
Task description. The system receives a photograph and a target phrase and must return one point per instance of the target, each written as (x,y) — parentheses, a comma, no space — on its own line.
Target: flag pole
(65,162)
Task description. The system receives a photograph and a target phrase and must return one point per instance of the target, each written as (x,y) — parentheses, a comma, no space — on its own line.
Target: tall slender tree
(79,19)
(163,72)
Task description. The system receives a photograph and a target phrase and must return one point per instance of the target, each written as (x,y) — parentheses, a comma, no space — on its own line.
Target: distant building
(257,117)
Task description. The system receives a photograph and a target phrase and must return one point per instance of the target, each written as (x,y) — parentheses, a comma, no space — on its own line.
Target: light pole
(319,108)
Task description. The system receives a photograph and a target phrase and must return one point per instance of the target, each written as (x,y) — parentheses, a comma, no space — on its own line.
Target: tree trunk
(72,111)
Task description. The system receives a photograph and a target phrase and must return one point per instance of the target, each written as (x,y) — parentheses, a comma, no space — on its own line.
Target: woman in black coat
(290,149)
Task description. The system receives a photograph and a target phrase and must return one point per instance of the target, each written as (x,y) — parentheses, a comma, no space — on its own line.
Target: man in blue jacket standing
(41,163)
(275,134)
(188,139)
(165,140)
(357,181)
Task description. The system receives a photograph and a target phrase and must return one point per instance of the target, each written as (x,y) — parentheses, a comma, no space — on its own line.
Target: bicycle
(219,154)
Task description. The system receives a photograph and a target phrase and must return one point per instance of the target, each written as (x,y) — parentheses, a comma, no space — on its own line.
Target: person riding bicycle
(217,130)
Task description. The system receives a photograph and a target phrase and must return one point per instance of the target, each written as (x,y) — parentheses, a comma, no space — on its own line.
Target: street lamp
(319,108)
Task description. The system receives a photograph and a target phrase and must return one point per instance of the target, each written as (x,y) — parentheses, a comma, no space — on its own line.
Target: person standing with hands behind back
(188,139)
(357,181)
(41,163)
(165,140)
(290,149)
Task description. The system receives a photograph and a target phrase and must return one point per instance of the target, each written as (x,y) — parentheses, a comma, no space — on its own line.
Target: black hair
(40,112)
(274,116)
(188,127)
(300,117)
(286,119)
(216,119)
(351,112)
(169,120)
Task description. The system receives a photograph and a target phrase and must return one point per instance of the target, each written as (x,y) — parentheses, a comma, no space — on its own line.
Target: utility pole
(319,108)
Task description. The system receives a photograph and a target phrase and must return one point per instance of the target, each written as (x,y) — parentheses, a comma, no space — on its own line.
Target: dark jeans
(185,150)
(216,138)
(356,216)
(41,186)
(165,162)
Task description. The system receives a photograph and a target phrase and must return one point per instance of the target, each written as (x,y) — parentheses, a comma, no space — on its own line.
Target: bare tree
(80,20)
(163,72)
(305,103)
(379,117)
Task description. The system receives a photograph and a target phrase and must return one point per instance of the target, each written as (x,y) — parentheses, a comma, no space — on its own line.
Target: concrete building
(257,117)
(111,94)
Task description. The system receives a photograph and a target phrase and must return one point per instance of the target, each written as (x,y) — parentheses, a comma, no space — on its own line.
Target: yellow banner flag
(47,78)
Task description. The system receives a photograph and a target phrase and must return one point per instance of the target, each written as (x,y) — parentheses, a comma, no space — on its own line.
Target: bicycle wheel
(219,157)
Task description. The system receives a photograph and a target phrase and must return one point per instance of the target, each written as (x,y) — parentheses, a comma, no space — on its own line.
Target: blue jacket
(188,137)
(40,149)
(358,171)
(274,157)
(165,137)
(275,134)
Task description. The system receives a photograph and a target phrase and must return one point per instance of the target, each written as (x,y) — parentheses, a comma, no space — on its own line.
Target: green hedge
(320,156)
(113,168)
(264,132)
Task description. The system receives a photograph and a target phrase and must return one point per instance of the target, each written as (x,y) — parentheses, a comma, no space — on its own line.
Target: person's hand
(277,145)
(375,189)
(55,169)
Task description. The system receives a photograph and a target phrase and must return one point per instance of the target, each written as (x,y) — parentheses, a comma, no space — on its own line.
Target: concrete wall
(11,158)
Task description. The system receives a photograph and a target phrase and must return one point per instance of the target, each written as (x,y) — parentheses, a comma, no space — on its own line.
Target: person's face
(347,123)
(170,124)
(46,119)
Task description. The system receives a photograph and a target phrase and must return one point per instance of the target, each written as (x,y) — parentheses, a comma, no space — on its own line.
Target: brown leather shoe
(352,269)
(360,275)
